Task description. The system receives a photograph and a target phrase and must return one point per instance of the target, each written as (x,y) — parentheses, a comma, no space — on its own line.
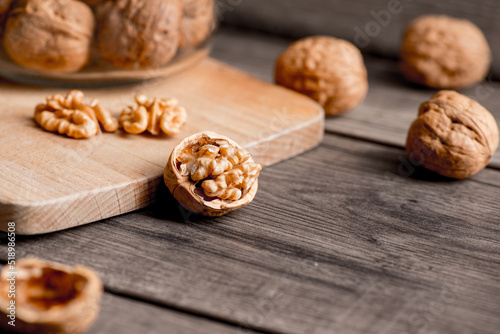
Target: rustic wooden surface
(381,21)
(346,238)
(51,182)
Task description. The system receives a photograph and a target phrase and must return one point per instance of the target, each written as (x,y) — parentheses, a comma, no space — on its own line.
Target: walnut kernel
(328,70)
(154,115)
(68,115)
(211,174)
(51,297)
(453,135)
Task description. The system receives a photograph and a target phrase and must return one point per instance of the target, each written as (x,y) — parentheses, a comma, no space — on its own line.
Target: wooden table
(346,238)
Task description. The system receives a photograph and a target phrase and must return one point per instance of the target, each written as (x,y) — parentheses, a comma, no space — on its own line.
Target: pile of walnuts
(61,35)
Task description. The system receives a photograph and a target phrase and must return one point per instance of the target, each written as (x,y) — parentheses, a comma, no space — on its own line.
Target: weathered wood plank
(121,315)
(376,26)
(390,106)
(338,239)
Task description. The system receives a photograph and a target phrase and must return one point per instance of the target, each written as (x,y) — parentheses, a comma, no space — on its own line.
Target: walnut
(328,70)
(50,297)
(4,11)
(444,52)
(71,117)
(49,35)
(154,115)
(211,174)
(453,135)
(139,33)
(198,21)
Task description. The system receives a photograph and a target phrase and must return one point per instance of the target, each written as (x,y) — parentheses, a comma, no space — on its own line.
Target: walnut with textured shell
(154,115)
(453,135)
(211,174)
(51,297)
(68,115)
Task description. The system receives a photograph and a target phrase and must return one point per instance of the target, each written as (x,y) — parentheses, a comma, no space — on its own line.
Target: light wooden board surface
(50,182)
(390,107)
(336,240)
(346,18)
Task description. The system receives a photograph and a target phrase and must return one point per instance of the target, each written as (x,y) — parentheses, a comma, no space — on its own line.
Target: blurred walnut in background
(4,10)
(328,70)
(444,52)
(139,33)
(49,35)
(198,21)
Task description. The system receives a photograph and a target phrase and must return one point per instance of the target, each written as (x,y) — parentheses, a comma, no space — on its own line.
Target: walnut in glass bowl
(138,34)
(49,35)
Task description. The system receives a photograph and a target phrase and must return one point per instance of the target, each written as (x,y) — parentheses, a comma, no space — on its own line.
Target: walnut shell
(328,70)
(49,35)
(50,297)
(139,33)
(443,52)
(453,135)
(192,195)
(198,21)
(4,11)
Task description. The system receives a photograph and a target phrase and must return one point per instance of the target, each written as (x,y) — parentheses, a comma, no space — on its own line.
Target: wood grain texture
(123,315)
(50,182)
(345,18)
(340,239)
(390,107)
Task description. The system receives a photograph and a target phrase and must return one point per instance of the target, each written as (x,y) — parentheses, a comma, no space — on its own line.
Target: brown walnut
(50,297)
(328,70)
(198,21)
(139,34)
(453,135)
(4,11)
(49,35)
(212,175)
(443,52)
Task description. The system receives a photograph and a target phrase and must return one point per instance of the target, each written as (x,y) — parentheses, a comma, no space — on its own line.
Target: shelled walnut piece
(68,115)
(453,135)
(154,115)
(211,174)
(50,297)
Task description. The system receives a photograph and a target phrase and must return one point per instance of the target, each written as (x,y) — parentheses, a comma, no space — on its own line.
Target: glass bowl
(98,69)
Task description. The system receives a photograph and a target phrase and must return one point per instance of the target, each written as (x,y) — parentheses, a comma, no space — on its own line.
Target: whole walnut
(328,70)
(443,52)
(139,33)
(49,35)
(4,10)
(198,21)
(453,135)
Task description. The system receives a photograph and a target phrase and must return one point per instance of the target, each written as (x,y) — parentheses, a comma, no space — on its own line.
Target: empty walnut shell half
(210,174)
(444,52)
(49,35)
(139,34)
(50,297)
(453,135)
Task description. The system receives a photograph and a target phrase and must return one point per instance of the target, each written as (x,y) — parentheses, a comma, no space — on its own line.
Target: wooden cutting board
(49,182)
